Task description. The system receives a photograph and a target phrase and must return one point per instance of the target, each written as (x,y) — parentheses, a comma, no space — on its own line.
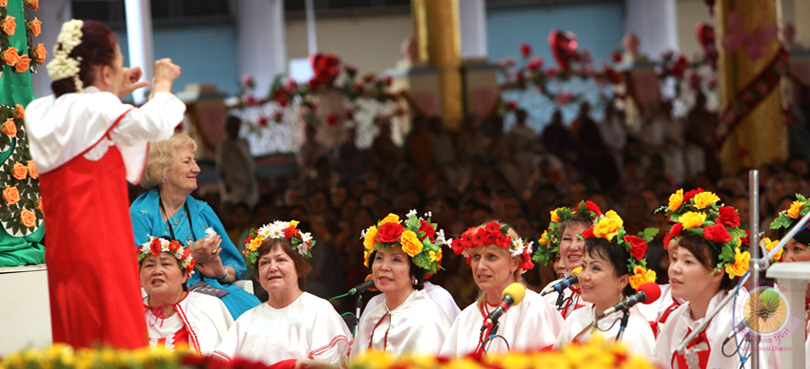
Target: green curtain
(15,88)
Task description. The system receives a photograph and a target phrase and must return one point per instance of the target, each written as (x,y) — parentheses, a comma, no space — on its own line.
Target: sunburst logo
(766,310)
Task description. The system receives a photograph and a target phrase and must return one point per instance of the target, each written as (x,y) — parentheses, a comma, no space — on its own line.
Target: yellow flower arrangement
(410,243)
(769,245)
(705,199)
(740,265)
(543,241)
(608,226)
(641,276)
(675,200)
(554,216)
(369,238)
(389,218)
(692,219)
(795,208)
(418,237)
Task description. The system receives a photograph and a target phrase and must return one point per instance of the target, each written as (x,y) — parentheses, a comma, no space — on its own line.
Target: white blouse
(638,336)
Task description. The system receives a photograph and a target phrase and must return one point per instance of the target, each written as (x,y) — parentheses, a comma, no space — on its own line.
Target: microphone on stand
(565,283)
(512,295)
(647,293)
(362,287)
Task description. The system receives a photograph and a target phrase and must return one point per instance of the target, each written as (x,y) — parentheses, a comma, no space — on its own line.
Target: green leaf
(648,234)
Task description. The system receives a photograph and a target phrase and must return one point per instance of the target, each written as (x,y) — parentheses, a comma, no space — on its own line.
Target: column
(52,16)
(752,129)
(140,41)
(655,24)
(472,14)
(261,44)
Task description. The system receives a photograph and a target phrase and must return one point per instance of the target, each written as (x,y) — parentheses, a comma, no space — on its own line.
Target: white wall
(689,13)
(370,44)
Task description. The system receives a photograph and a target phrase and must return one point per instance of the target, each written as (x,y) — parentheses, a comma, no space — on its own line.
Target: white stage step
(25,313)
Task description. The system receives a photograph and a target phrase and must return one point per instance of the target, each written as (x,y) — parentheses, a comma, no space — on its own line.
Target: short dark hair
(302,268)
(616,254)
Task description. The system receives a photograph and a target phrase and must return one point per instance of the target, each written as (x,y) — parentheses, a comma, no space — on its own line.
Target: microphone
(360,288)
(513,294)
(563,284)
(647,293)
(739,328)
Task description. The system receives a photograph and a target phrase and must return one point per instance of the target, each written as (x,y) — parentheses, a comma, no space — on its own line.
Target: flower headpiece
(610,226)
(494,234)
(549,243)
(62,65)
(301,242)
(418,237)
(699,213)
(156,245)
(788,217)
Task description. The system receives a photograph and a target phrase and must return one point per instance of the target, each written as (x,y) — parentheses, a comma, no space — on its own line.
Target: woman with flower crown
(86,144)
(498,258)
(613,267)
(563,238)
(177,318)
(168,209)
(294,326)
(708,255)
(408,321)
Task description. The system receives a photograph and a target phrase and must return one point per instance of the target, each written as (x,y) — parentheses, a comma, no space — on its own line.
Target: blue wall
(205,54)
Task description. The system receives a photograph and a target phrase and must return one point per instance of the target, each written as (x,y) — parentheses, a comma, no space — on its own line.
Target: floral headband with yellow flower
(549,243)
(418,237)
(156,245)
(610,226)
(301,242)
(788,217)
(699,213)
(494,234)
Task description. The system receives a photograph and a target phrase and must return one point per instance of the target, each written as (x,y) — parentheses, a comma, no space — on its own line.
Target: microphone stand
(358,303)
(623,324)
(560,299)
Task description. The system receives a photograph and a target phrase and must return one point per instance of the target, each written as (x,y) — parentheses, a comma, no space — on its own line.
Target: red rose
(154,247)
(588,233)
(638,246)
(289,232)
(174,246)
(747,240)
(525,50)
(430,232)
(728,217)
(593,207)
(690,194)
(331,120)
(389,232)
(186,252)
(675,231)
(716,233)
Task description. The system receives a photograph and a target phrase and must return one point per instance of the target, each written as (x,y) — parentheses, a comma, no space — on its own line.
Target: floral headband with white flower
(699,213)
(301,242)
(417,235)
(494,234)
(62,65)
(548,245)
(156,245)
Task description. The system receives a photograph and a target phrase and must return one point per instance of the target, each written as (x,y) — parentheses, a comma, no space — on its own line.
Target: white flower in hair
(412,212)
(306,238)
(440,240)
(517,246)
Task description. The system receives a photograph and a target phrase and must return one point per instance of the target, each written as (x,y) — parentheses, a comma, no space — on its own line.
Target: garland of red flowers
(493,234)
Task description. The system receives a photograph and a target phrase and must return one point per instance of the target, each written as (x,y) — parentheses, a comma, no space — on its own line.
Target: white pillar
(261,44)
(655,22)
(473,17)
(139,38)
(312,36)
(52,17)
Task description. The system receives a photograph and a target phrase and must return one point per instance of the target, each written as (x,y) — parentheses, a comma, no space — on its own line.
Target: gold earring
(413,281)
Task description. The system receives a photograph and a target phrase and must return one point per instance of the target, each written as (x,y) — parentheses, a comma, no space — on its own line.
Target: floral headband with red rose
(610,226)
(699,213)
(417,235)
(548,245)
(156,245)
(494,234)
(301,242)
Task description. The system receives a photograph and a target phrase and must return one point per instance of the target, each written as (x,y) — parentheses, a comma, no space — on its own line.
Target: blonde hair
(517,275)
(162,155)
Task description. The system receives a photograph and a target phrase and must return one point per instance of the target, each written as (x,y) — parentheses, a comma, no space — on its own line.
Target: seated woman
(176,317)
(169,210)
(408,321)
(498,258)
(293,325)
(612,269)
(704,265)
(562,238)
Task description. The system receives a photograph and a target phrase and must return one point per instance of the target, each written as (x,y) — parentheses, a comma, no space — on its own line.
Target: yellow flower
(554,217)
(255,243)
(366,254)
(641,276)
(740,265)
(704,199)
(543,239)
(769,245)
(410,243)
(371,236)
(795,209)
(294,223)
(675,200)
(390,218)
(608,226)
(692,219)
